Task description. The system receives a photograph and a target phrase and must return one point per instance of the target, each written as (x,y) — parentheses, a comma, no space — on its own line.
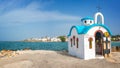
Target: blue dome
(87,18)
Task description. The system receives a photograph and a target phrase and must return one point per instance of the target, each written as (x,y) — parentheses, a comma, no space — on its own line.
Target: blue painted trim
(85,29)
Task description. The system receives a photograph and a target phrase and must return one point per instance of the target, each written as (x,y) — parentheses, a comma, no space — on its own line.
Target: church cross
(98,8)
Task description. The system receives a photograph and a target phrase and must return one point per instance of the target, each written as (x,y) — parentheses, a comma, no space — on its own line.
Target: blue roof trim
(85,29)
(87,18)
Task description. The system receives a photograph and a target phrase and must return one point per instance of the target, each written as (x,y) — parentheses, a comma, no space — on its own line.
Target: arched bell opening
(99,18)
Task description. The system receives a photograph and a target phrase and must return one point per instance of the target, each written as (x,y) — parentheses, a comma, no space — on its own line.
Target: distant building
(55,39)
(90,40)
(44,39)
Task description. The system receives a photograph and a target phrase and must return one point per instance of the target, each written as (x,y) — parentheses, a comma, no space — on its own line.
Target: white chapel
(90,40)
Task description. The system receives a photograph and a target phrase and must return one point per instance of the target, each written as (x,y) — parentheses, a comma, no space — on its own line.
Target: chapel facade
(90,40)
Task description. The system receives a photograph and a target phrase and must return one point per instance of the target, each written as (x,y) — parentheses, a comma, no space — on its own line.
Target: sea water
(57,46)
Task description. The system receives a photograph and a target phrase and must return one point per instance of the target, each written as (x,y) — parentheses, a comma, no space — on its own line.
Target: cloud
(31,14)
(9,5)
(19,21)
(35,16)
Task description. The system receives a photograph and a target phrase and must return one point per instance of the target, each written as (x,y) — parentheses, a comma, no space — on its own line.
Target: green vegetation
(115,38)
(62,38)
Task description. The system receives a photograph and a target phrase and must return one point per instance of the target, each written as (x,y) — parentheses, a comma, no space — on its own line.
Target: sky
(21,19)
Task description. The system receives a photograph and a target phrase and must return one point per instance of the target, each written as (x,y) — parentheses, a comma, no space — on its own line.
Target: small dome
(87,21)
(87,18)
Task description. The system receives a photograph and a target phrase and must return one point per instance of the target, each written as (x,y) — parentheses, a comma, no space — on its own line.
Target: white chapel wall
(79,52)
(89,52)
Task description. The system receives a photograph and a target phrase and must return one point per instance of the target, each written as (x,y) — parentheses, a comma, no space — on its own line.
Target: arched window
(71,42)
(77,40)
(85,21)
(90,42)
(90,21)
(74,40)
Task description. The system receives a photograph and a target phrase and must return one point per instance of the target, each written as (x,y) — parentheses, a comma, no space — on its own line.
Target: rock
(8,53)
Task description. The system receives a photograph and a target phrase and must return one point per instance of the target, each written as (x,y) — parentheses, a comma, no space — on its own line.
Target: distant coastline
(115,38)
(47,39)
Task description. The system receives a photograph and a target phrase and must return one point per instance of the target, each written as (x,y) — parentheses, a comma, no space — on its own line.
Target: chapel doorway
(99,43)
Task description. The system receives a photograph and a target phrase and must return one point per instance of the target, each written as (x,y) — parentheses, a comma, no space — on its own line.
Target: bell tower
(101,21)
(99,18)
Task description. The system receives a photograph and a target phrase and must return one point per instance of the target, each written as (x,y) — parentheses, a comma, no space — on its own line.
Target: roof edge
(89,27)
